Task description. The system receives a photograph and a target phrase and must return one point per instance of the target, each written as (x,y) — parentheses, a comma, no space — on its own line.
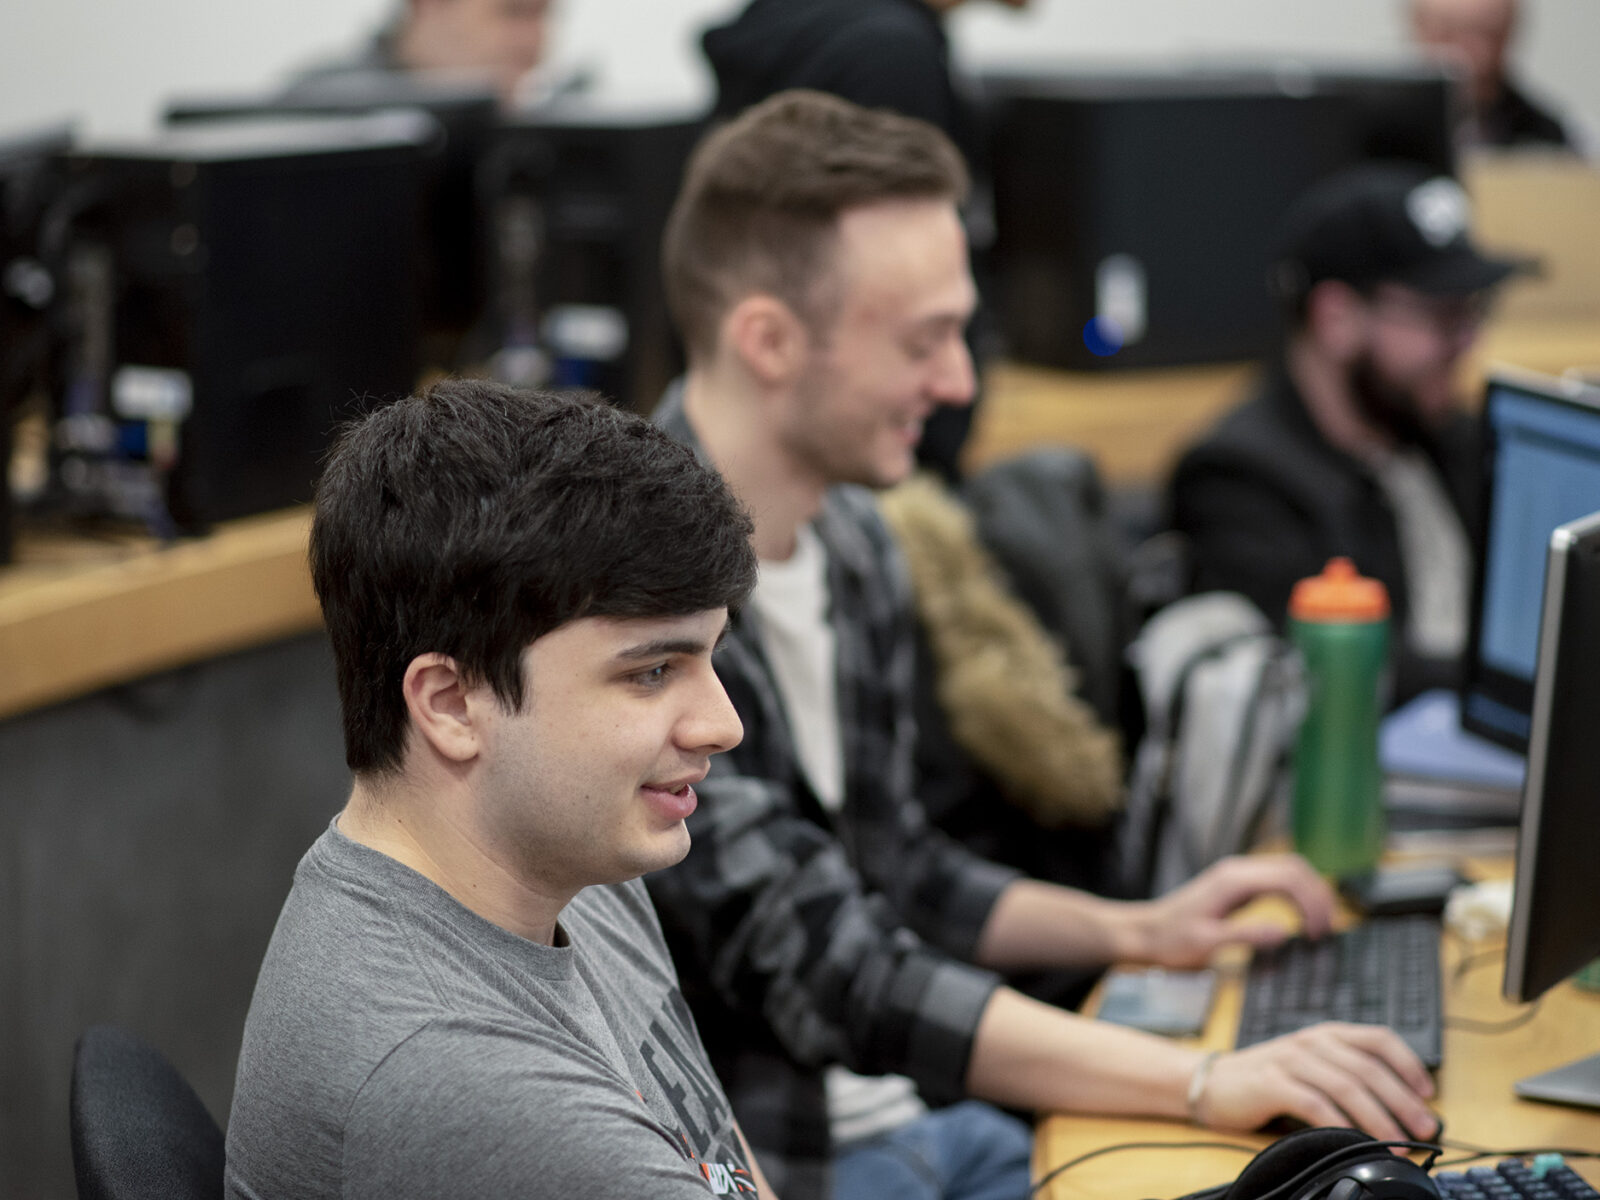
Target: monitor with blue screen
(1542,469)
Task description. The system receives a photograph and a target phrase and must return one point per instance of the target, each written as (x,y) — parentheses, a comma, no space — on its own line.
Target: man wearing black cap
(1354,443)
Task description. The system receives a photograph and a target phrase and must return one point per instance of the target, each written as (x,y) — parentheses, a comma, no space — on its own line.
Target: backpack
(1224,696)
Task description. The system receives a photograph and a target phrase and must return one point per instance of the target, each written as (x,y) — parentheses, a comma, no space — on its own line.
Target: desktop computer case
(276,278)
(578,198)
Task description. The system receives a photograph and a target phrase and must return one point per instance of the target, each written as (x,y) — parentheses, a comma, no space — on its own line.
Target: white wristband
(1197,1085)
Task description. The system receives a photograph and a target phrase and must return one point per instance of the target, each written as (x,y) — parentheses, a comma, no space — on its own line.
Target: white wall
(111,62)
(1556,53)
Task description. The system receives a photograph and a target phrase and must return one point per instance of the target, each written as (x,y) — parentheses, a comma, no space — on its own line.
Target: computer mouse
(1284,1124)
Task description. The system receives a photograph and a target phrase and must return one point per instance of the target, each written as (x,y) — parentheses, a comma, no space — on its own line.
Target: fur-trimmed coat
(1004,685)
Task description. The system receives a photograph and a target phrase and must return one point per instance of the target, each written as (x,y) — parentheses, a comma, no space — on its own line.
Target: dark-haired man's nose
(712,724)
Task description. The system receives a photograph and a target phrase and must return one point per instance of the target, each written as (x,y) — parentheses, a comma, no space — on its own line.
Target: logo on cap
(1439,209)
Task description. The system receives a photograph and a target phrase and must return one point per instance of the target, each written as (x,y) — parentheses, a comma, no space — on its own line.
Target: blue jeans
(969,1151)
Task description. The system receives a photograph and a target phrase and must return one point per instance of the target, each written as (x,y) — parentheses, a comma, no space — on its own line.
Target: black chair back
(139,1132)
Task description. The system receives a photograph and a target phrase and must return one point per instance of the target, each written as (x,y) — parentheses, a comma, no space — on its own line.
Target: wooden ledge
(76,619)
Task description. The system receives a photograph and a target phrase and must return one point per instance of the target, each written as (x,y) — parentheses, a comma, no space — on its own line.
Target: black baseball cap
(1385,223)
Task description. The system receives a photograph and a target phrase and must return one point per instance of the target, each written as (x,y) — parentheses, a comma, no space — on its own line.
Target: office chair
(139,1132)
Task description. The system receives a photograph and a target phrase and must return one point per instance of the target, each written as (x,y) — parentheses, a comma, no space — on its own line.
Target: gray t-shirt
(399,1045)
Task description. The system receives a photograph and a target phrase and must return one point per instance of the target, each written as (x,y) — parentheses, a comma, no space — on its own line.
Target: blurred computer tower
(1135,212)
(453,250)
(232,292)
(578,196)
(30,185)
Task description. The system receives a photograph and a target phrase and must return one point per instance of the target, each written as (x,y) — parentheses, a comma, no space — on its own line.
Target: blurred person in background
(1475,36)
(496,42)
(878,53)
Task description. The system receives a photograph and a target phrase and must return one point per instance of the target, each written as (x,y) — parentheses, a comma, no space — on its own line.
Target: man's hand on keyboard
(1187,925)
(1359,1075)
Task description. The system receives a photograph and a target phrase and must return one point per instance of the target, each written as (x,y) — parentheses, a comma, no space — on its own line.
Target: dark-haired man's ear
(439,702)
(768,338)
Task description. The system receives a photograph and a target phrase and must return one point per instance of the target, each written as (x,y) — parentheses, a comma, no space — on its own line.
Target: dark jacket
(1515,120)
(1265,501)
(879,53)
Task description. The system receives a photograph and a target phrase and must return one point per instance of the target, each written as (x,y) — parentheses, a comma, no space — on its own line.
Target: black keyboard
(1384,971)
(1546,1178)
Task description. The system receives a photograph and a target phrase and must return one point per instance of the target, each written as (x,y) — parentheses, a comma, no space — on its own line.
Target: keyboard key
(1549,1178)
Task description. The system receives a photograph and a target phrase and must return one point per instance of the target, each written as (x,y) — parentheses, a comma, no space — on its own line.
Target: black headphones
(1330,1164)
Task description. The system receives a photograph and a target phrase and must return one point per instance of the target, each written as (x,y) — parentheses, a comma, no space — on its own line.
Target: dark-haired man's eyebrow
(663,647)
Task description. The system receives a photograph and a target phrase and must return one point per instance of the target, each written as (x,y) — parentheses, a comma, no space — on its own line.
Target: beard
(1390,406)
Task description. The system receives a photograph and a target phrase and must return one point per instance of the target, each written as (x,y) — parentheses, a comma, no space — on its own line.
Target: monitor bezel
(1572,587)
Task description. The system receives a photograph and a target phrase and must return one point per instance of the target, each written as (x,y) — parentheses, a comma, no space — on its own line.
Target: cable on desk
(1050,1175)
(1477,958)
(1469,1025)
(1472,1153)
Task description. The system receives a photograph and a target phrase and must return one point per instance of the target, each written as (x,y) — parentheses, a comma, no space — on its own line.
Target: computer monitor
(1555,923)
(1541,447)
(1135,211)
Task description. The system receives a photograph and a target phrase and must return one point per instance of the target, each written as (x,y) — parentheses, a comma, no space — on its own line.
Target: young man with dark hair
(818,267)
(467,992)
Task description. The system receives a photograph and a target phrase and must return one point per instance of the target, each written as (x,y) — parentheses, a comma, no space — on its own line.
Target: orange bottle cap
(1339,594)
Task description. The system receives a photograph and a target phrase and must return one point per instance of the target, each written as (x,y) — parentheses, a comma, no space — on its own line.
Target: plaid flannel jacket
(804,938)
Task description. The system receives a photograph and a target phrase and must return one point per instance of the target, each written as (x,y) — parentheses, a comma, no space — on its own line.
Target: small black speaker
(1331,1164)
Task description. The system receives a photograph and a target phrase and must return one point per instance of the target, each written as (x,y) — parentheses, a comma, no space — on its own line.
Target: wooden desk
(77,615)
(1474,1098)
(1133,422)
(1136,423)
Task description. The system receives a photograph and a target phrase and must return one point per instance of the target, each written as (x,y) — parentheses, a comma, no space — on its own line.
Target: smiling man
(892,54)
(844,958)
(467,993)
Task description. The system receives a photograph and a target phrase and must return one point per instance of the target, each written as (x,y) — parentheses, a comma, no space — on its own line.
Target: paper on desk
(1424,739)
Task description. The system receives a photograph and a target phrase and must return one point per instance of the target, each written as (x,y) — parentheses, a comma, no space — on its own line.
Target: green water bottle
(1339,620)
